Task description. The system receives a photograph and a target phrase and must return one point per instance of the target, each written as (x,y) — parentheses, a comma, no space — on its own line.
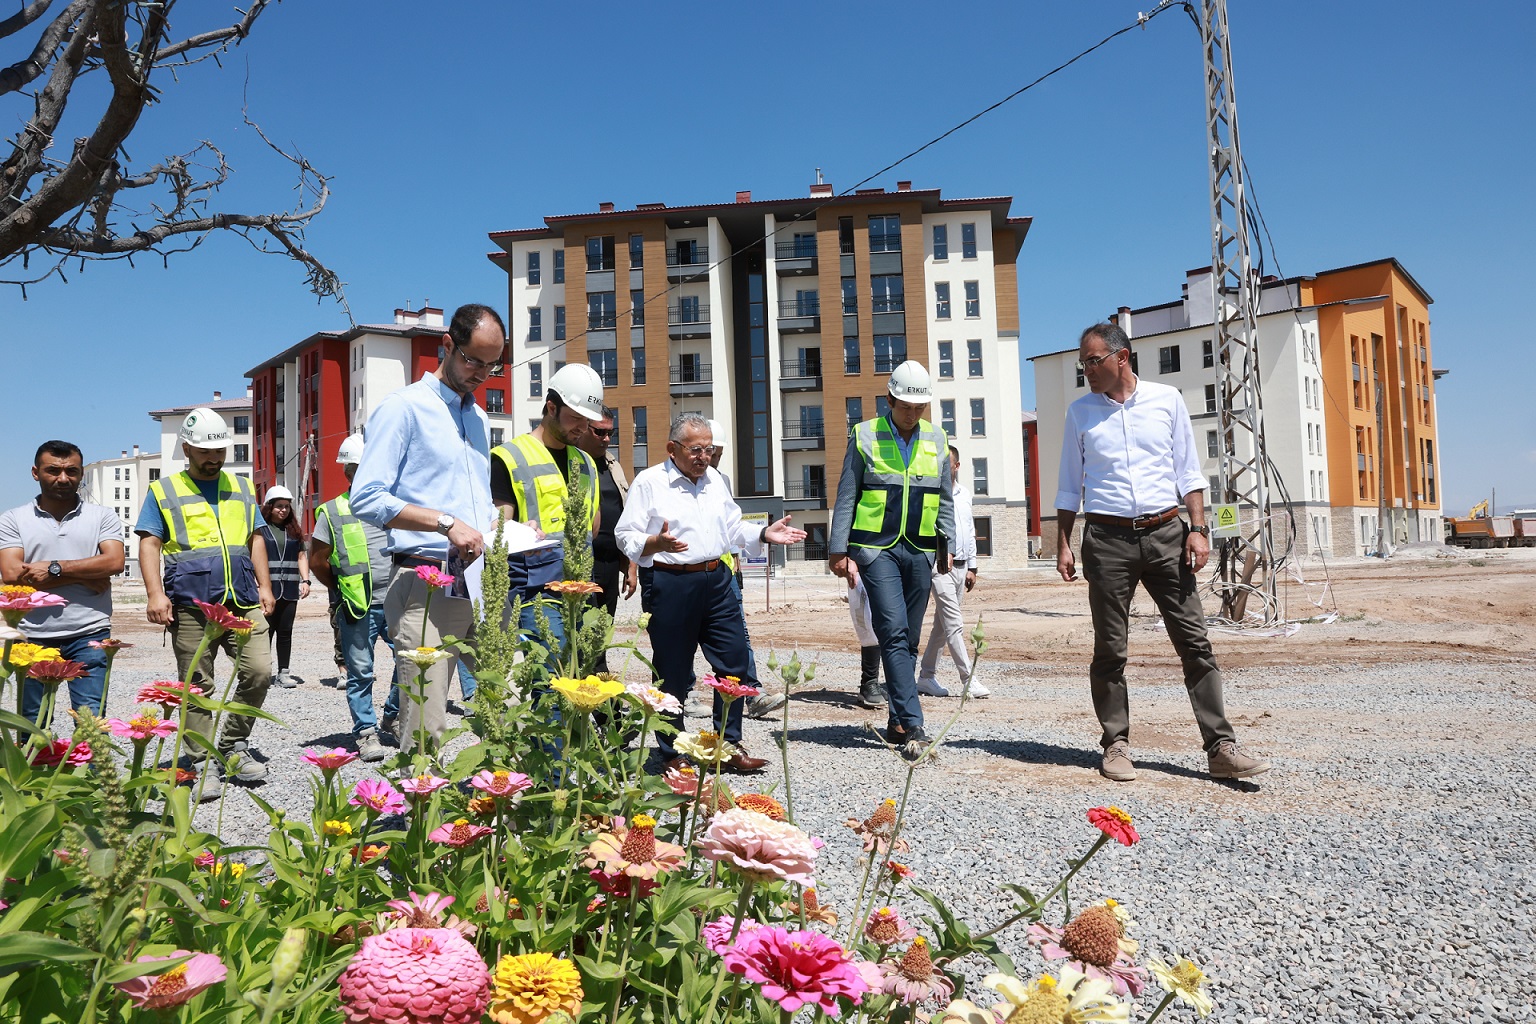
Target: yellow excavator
(1477,529)
(1479,511)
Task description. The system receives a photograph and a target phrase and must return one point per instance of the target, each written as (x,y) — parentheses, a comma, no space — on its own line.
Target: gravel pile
(1381,872)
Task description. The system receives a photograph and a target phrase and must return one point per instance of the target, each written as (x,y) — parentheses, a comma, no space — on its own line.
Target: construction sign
(1224,521)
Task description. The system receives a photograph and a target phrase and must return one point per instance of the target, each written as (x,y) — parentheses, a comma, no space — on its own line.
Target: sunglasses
(603,431)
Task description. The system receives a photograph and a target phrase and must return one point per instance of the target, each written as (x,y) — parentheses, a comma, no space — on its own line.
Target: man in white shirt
(1128,457)
(948,589)
(679,518)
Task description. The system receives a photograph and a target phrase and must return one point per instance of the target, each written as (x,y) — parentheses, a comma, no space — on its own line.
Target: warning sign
(1224,521)
(758,520)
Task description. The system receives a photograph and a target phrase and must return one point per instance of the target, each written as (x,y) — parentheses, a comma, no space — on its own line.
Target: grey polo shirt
(43,538)
(379,564)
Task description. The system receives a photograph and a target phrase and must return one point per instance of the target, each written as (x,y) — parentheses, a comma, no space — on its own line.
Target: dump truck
(1478,529)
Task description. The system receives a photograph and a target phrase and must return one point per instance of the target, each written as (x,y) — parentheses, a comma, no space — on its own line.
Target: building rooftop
(217,405)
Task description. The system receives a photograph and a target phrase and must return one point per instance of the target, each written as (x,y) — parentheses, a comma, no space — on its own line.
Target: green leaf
(26,947)
(137,969)
(605,971)
(24,837)
(469,757)
(189,900)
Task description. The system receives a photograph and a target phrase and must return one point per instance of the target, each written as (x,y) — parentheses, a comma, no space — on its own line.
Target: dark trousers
(281,624)
(898,580)
(690,611)
(1115,559)
(606,575)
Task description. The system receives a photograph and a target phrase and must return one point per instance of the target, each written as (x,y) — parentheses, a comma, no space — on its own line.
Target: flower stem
(789,802)
(1035,907)
(629,934)
(741,912)
(1160,1008)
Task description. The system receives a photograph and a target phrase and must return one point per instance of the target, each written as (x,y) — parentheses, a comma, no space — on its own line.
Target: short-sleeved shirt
(152,520)
(43,538)
(379,564)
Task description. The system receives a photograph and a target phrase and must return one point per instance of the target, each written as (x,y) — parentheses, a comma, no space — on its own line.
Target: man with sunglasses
(609,566)
(425,477)
(1128,457)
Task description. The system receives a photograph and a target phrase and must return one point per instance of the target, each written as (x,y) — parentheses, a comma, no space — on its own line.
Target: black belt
(411,561)
(1150,521)
(709,566)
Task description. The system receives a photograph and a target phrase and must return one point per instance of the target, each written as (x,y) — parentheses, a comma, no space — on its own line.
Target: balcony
(806,436)
(688,263)
(886,362)
(807,551)
(801,374)
(795,258)
(800,315)
(690,320)
(801,496)
(691,378)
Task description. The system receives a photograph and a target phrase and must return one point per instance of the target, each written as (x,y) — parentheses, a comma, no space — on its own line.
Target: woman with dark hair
(288,561)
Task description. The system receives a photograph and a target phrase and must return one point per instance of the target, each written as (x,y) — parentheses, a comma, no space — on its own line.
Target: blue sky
(1372,129)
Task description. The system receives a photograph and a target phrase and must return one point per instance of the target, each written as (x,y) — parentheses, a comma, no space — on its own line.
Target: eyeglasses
(700,451)
(1092,362)
(602,431)
(491,368)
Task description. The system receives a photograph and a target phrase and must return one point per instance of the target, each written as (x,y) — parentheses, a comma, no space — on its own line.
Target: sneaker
(211,787)
(242,766)
(929,687)
(368,746)
(285,680)
(976,691)
(1227,762)
(764,704)
(1118,765)
(871,695)
(698,706)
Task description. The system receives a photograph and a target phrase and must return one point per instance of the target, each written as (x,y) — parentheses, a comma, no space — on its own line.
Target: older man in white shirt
(679,518)
(948,590)
(1128,458)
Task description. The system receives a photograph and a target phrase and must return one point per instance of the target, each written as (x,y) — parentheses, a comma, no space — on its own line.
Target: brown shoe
(744,764)
(1227,762)
(677,764)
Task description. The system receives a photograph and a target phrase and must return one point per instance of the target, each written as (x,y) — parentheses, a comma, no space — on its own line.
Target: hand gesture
(665,541)
(782,533)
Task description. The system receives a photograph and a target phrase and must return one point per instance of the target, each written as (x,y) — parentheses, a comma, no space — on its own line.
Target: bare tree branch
(234,33)
(24,17)
(21,73)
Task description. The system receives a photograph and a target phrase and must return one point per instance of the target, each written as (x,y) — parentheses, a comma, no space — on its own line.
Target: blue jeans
(467,683)
(84,692)
(554,613)
(898,581)
(358,640)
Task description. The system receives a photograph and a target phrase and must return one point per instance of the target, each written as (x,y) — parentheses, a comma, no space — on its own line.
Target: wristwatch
(445,523)
(1204,529)
(55,569)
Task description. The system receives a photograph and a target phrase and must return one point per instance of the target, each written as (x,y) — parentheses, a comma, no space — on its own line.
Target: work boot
(210,787)
(242,766)
(870,693)
(1227,762)
(368,746)
(1118,765)
(765,704)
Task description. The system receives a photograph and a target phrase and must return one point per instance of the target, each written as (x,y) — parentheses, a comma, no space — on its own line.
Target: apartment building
(120,484)
(1354,472)
(310,396)
(782,319)
(236,412)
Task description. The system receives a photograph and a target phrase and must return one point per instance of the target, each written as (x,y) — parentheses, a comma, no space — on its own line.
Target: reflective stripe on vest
(897,500)
(349,555)
(205,553)
(538,489)
(280,569)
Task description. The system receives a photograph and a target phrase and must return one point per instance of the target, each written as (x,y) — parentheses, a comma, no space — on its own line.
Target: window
(1213,443)
(972,300)
(979,483)
(154,474)
(1168,359)
(533,268)
(636,260)
(978,417)
(851,355)
(606,363)
(968,241)
(850,296)
(117,474)
(117,493)
(242,453)
(559,266)
(638,415)
(686,252)
(1207,354)
(690,368)
(947,416)
(637,307)
(1311,449)
(807,302)
(1210,398)
(688,310)
(941,241)
(890,352)
(882,404)
(983,535)
(498,435)
(973,357)
(535,380)
(613,438)
(495,400)
(804,245)
(637,362)
(242,424)
(601,312)
(1080,382)
(600,253)
(946,360)
(886,294)
(885,233)
(941,300)
(845,235)
(855,411)
(559,323)
(535,323)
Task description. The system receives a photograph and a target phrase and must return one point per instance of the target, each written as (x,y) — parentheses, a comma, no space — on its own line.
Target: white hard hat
(351,451)
(204,428)
(719,432)
(910,383)
(278,492)
(579,387)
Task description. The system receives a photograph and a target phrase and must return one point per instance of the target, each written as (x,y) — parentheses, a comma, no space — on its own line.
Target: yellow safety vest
(349,555)
(538,489)
(206,554)
(897,500)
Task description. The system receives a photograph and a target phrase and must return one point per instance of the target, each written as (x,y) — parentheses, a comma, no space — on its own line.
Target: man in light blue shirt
(425,477)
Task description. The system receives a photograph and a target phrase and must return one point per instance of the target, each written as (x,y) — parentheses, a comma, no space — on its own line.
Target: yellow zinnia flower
(702,747)
(23,655)
(338,828)
(528,989)
(1184,980)
(589,693)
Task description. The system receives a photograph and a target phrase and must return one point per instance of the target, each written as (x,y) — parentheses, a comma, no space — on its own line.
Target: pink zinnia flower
(422,786)
(717,934)
(415,976)
(656,700)
(619,884)
(55,672)
(222,617)
(167,693)
(885,927)
(61,751)
(634,850)
(1115,823)
(759,847)
(205,860)
(377,796)
(1095,944)
(912,979)
(175,986)
(796,969)
(17,606)
(458,833)
(432,576)
(729,686)
(501,784)
(328,760)
(110,644)
(425,911)
(142,727)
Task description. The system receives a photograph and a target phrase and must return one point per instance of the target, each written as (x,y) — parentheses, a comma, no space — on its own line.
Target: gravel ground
(1380,872)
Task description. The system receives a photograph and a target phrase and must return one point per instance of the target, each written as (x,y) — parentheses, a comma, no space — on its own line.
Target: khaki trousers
(253,668)
(1115,559)
(948,626)
(412,624)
